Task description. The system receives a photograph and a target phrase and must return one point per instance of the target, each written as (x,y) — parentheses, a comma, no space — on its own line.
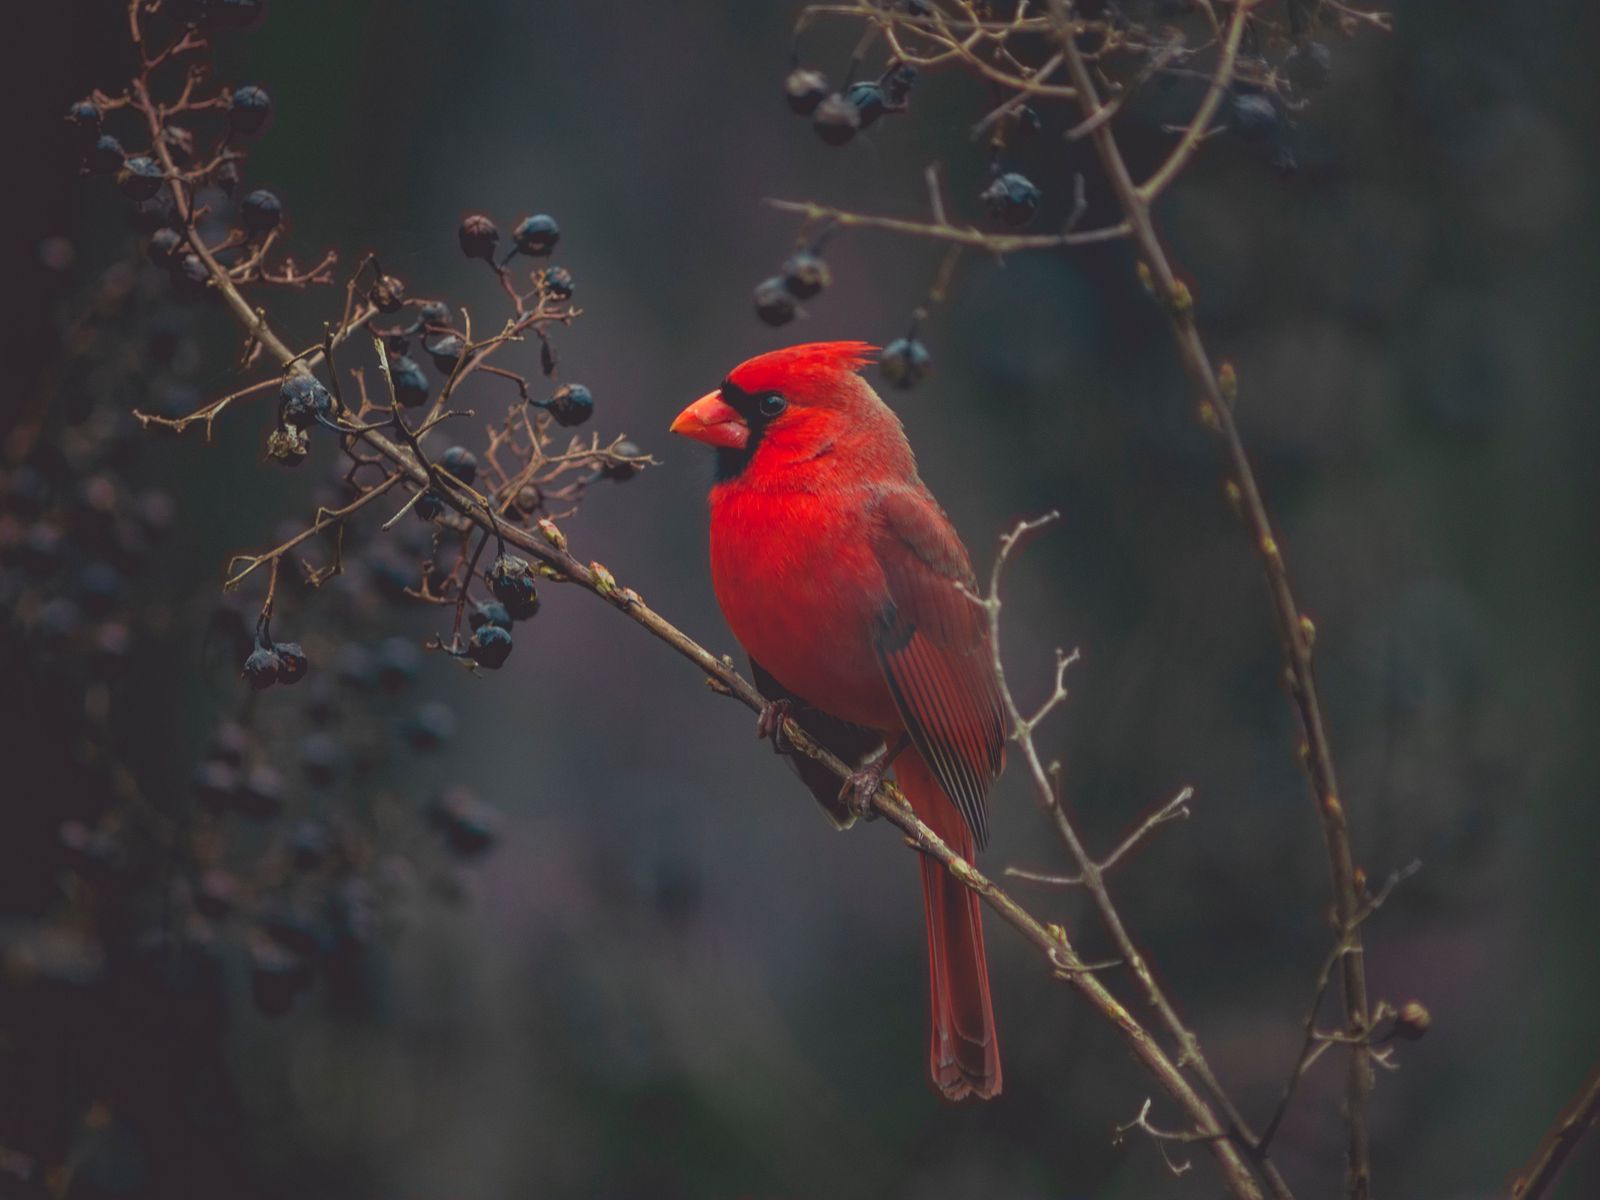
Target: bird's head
(789,407)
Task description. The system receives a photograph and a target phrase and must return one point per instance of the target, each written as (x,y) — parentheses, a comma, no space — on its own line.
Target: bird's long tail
(963,1053)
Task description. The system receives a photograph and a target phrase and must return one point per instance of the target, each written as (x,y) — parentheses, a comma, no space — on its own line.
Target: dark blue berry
(261,667)
(460,462)
(249,109)
(511,581)
(105,156)
(429,727)
(292,662)
(904,363)
(410,384)
(303,401)
(805,274)
(489,612)
(556,282)
(774,302)
(490,647)
(140,178)
(1254,116)
(260,211)
(869,101)
(1012,199)
(804,89)
(836,120)
(446,351)
(429,506)
(572,404)
(537,235)
(468,825)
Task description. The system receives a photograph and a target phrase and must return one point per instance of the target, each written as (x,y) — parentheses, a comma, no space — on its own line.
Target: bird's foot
(861,785)
(770,724)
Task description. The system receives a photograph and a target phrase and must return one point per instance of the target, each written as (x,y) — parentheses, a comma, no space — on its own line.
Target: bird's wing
(933,645)
(852,743)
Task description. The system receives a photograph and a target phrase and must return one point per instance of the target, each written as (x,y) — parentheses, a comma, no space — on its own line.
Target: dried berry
(1308,66)
(261,668)
(461,463)
(468,825)
(387,295)
(249,109)
(84,118)
(511,582)
(537,235)
(430,727)
(303,401)
(140,178)
(105,156)
(1254,116)
(292,662)
(490,647)
(429,506)
(479,237)
(489,612)
(869,101)
(836,120)
(775,303)
(446,351)
(399,663)
(571,405)
(410,384)
(435,313)
(556,282)
(260,212)
(904,363)
(896,86)
(805,274)
(164,243)
(805,89)
(620,469)
(1012,199)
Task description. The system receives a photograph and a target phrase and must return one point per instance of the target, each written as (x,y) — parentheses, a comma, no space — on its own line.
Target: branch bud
(605,583)
(551,534)
(1412,1021)
(1228,383)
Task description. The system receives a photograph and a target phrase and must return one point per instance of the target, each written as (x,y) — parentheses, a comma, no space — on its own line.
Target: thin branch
(1558,1143)
(965,235)
(1091,877)
(1294,631)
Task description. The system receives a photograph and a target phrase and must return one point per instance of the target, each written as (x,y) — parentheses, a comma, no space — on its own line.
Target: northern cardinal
(842,578)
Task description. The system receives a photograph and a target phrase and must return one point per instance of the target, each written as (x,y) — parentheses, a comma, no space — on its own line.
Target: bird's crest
(794,367)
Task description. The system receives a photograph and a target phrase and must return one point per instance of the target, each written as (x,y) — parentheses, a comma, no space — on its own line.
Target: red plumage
(842,577)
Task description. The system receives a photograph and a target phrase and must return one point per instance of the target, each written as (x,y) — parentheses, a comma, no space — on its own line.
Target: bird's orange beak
(710,420)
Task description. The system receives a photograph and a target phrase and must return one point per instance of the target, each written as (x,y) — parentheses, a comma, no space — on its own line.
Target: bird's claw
(859,788)
(769,724)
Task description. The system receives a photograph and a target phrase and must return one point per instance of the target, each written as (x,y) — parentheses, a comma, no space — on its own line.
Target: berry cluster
(1265,78)
(301,834)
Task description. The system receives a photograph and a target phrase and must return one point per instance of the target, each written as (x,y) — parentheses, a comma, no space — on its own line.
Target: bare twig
(1558,1143)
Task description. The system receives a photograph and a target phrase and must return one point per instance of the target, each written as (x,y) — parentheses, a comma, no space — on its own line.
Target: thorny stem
(1293,630)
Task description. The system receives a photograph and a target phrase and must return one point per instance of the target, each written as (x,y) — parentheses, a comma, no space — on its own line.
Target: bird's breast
(803,592)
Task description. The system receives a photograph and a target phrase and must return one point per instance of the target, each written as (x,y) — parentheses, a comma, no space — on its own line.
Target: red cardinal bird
(841,576)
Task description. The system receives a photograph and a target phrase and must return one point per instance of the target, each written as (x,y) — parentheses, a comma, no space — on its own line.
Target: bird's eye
(772,404)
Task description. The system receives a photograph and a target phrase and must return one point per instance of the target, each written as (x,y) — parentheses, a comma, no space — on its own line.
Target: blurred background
(672,978)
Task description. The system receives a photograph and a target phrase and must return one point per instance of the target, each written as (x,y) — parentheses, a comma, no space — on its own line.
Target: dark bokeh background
(674,978)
